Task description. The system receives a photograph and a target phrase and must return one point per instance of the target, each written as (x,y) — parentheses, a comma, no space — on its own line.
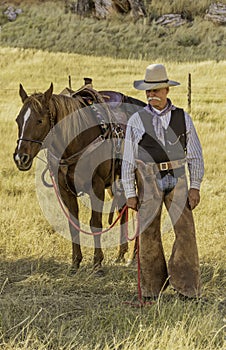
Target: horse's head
(34,123)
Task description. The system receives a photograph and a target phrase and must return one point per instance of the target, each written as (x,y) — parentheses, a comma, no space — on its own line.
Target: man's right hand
(132,203)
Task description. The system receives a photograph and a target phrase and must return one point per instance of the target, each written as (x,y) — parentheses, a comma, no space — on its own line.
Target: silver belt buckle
(163,166)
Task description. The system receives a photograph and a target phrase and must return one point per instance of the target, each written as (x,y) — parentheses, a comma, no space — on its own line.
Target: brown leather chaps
(182,272)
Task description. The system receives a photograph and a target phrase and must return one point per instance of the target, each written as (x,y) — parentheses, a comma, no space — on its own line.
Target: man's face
(157,97)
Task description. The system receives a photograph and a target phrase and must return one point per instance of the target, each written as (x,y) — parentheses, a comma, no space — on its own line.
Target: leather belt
(173,164)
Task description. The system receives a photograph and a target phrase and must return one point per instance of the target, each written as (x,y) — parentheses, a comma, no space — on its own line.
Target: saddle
(112,99)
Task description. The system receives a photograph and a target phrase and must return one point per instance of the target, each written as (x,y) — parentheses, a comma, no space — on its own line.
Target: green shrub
(188,40)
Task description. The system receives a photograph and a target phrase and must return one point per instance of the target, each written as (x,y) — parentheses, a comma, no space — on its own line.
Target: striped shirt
(134,133)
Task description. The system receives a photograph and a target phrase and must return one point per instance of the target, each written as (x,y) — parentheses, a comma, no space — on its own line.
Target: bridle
(72,159)
(29,140)
(52,123)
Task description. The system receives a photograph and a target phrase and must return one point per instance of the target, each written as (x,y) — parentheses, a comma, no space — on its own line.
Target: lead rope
(77,227)
(140,303)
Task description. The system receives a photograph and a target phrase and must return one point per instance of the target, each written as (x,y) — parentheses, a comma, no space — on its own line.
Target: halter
(52,123)
(29,140)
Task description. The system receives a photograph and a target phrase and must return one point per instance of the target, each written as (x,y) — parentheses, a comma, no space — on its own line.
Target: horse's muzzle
(23,161)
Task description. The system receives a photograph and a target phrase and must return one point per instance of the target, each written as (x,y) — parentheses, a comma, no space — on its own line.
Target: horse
(70,128)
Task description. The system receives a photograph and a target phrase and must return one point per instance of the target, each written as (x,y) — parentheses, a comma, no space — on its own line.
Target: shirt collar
(169,107)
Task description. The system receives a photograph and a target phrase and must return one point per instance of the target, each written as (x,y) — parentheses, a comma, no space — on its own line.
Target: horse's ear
(48,93)
(22,93)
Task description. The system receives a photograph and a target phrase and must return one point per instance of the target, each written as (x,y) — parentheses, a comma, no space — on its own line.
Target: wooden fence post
(69,82)
(189,92)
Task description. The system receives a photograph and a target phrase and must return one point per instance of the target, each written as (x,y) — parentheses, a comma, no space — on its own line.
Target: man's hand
(193,198)
(132,203)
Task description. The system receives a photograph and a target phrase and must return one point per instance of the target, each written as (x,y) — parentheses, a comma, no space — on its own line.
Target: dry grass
(41,306)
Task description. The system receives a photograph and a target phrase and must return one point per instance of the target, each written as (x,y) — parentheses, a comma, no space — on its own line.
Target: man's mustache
(153,98)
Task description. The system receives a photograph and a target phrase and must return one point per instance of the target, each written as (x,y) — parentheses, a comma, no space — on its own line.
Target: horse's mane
(60,106)
(72,113)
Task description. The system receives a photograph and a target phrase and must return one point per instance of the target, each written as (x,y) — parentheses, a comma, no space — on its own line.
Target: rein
(74,157)
(77,227)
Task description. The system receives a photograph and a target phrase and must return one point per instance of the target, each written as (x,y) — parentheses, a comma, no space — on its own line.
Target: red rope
(141,303)
(77,227)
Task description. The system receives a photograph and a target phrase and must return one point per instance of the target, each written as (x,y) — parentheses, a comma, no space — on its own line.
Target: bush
(188,40)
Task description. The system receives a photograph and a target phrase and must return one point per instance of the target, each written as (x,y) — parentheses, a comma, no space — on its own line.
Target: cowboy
(160,139)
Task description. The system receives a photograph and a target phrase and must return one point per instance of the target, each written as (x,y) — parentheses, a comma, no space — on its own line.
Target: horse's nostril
(23,161)
(24,158)
(21,158)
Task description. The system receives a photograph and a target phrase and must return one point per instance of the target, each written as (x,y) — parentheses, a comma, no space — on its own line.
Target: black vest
(152,150)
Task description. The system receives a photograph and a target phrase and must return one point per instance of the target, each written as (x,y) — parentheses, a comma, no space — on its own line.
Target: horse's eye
(39,121)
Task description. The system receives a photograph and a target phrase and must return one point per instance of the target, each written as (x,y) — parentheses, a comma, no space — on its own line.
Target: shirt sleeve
(134,132)
(128,165)
(194,155)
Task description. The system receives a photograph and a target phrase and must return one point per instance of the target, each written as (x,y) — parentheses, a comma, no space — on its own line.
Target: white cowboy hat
(155,78)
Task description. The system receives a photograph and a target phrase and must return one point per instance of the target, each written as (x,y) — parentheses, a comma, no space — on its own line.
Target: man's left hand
(193,198)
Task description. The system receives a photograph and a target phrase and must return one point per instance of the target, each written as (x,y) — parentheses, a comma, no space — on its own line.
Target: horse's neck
(73,131)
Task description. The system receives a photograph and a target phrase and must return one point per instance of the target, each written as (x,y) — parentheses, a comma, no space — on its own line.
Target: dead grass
(42,306)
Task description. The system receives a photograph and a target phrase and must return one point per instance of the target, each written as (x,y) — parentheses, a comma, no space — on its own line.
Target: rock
(82,7)
(103,8)
(216,13)
(171,20)
(138,8)
(12,13)
(122,6)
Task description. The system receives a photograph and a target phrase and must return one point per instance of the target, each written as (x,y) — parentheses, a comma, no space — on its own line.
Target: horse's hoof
(120,259)
(131,263)
(98,272)
(73,270)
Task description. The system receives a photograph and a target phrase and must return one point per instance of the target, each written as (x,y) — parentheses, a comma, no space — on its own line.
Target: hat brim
(142,85)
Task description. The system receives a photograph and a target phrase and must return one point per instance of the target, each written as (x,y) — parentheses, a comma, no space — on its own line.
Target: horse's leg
(76,246)
(70,201)
(123,247)
(97,201)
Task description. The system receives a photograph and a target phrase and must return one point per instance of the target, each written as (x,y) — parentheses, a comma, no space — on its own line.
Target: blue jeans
(167,183)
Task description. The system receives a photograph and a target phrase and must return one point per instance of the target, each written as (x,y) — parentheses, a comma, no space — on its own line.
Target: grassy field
(42,307)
